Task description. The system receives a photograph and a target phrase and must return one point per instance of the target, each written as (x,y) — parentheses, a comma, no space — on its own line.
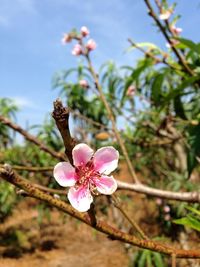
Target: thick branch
(101,226)
(31,138)
(61,116)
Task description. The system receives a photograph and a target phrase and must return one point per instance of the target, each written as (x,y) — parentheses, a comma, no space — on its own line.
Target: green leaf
(156,89)
(189,44)
(189,221)
(158,260)
(194,149)
(144,44)
(193,210)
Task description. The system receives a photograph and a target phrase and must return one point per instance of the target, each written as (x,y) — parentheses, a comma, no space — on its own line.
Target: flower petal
(81,154)
(64,173)
(106,185)
(80,198)
(106,159)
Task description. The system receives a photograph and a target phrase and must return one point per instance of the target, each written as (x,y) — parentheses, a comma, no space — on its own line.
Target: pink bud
(165,14)
(91,45)
(66,39)
(176,30)
(167,217)
(84,84)
(173,43)
(159,201)
(77,50)
(166,209)
(84,31)
(131,90)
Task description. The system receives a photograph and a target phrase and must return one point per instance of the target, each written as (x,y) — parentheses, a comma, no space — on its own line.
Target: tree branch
(179,56)
(31,138)
(61,117)
(193,197)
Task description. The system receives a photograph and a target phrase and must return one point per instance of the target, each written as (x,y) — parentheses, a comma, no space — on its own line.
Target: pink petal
(106,159)
(81,153)
(106,185)
(80,198)
(64,174)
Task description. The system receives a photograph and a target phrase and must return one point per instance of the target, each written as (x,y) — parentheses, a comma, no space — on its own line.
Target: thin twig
(111,117)
(131,221)
(10,176)
(32,138)
(30,168)
(95,123)
(173,260)
(177,53)
(193,197)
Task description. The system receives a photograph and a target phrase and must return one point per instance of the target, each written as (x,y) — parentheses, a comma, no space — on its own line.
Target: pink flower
(77,50)
(165,14)
(173,43)
(84,31)
(91,45)
(167,217)
(84,84)
(131,90)
(159,201)
(176,30)
(88,175)
(166,208)
(66,39)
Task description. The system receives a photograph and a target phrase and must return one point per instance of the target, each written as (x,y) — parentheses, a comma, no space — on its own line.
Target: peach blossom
(84,31)
(66,39)
(84,84)
(91,45)
(77,50)
(89,174)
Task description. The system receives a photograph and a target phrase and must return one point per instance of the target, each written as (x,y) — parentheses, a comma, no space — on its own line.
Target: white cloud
(23,102)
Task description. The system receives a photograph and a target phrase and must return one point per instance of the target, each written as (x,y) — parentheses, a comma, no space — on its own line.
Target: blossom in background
(166,209)
(167,217)
(159,201)
(66,39)
(84,84)
(89,174)
(131,90)
(77,50)
(165,14)
(173,43)
(176,30)
(84,31)
(91,45)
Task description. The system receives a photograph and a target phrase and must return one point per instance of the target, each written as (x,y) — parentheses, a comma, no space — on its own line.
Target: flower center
(86,175)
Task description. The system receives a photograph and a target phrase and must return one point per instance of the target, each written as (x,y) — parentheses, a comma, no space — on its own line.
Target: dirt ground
(58,244)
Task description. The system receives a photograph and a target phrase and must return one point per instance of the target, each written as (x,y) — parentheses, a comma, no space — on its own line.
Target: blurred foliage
(191,220)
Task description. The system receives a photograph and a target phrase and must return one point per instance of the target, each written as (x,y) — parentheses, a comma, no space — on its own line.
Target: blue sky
(31,52)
